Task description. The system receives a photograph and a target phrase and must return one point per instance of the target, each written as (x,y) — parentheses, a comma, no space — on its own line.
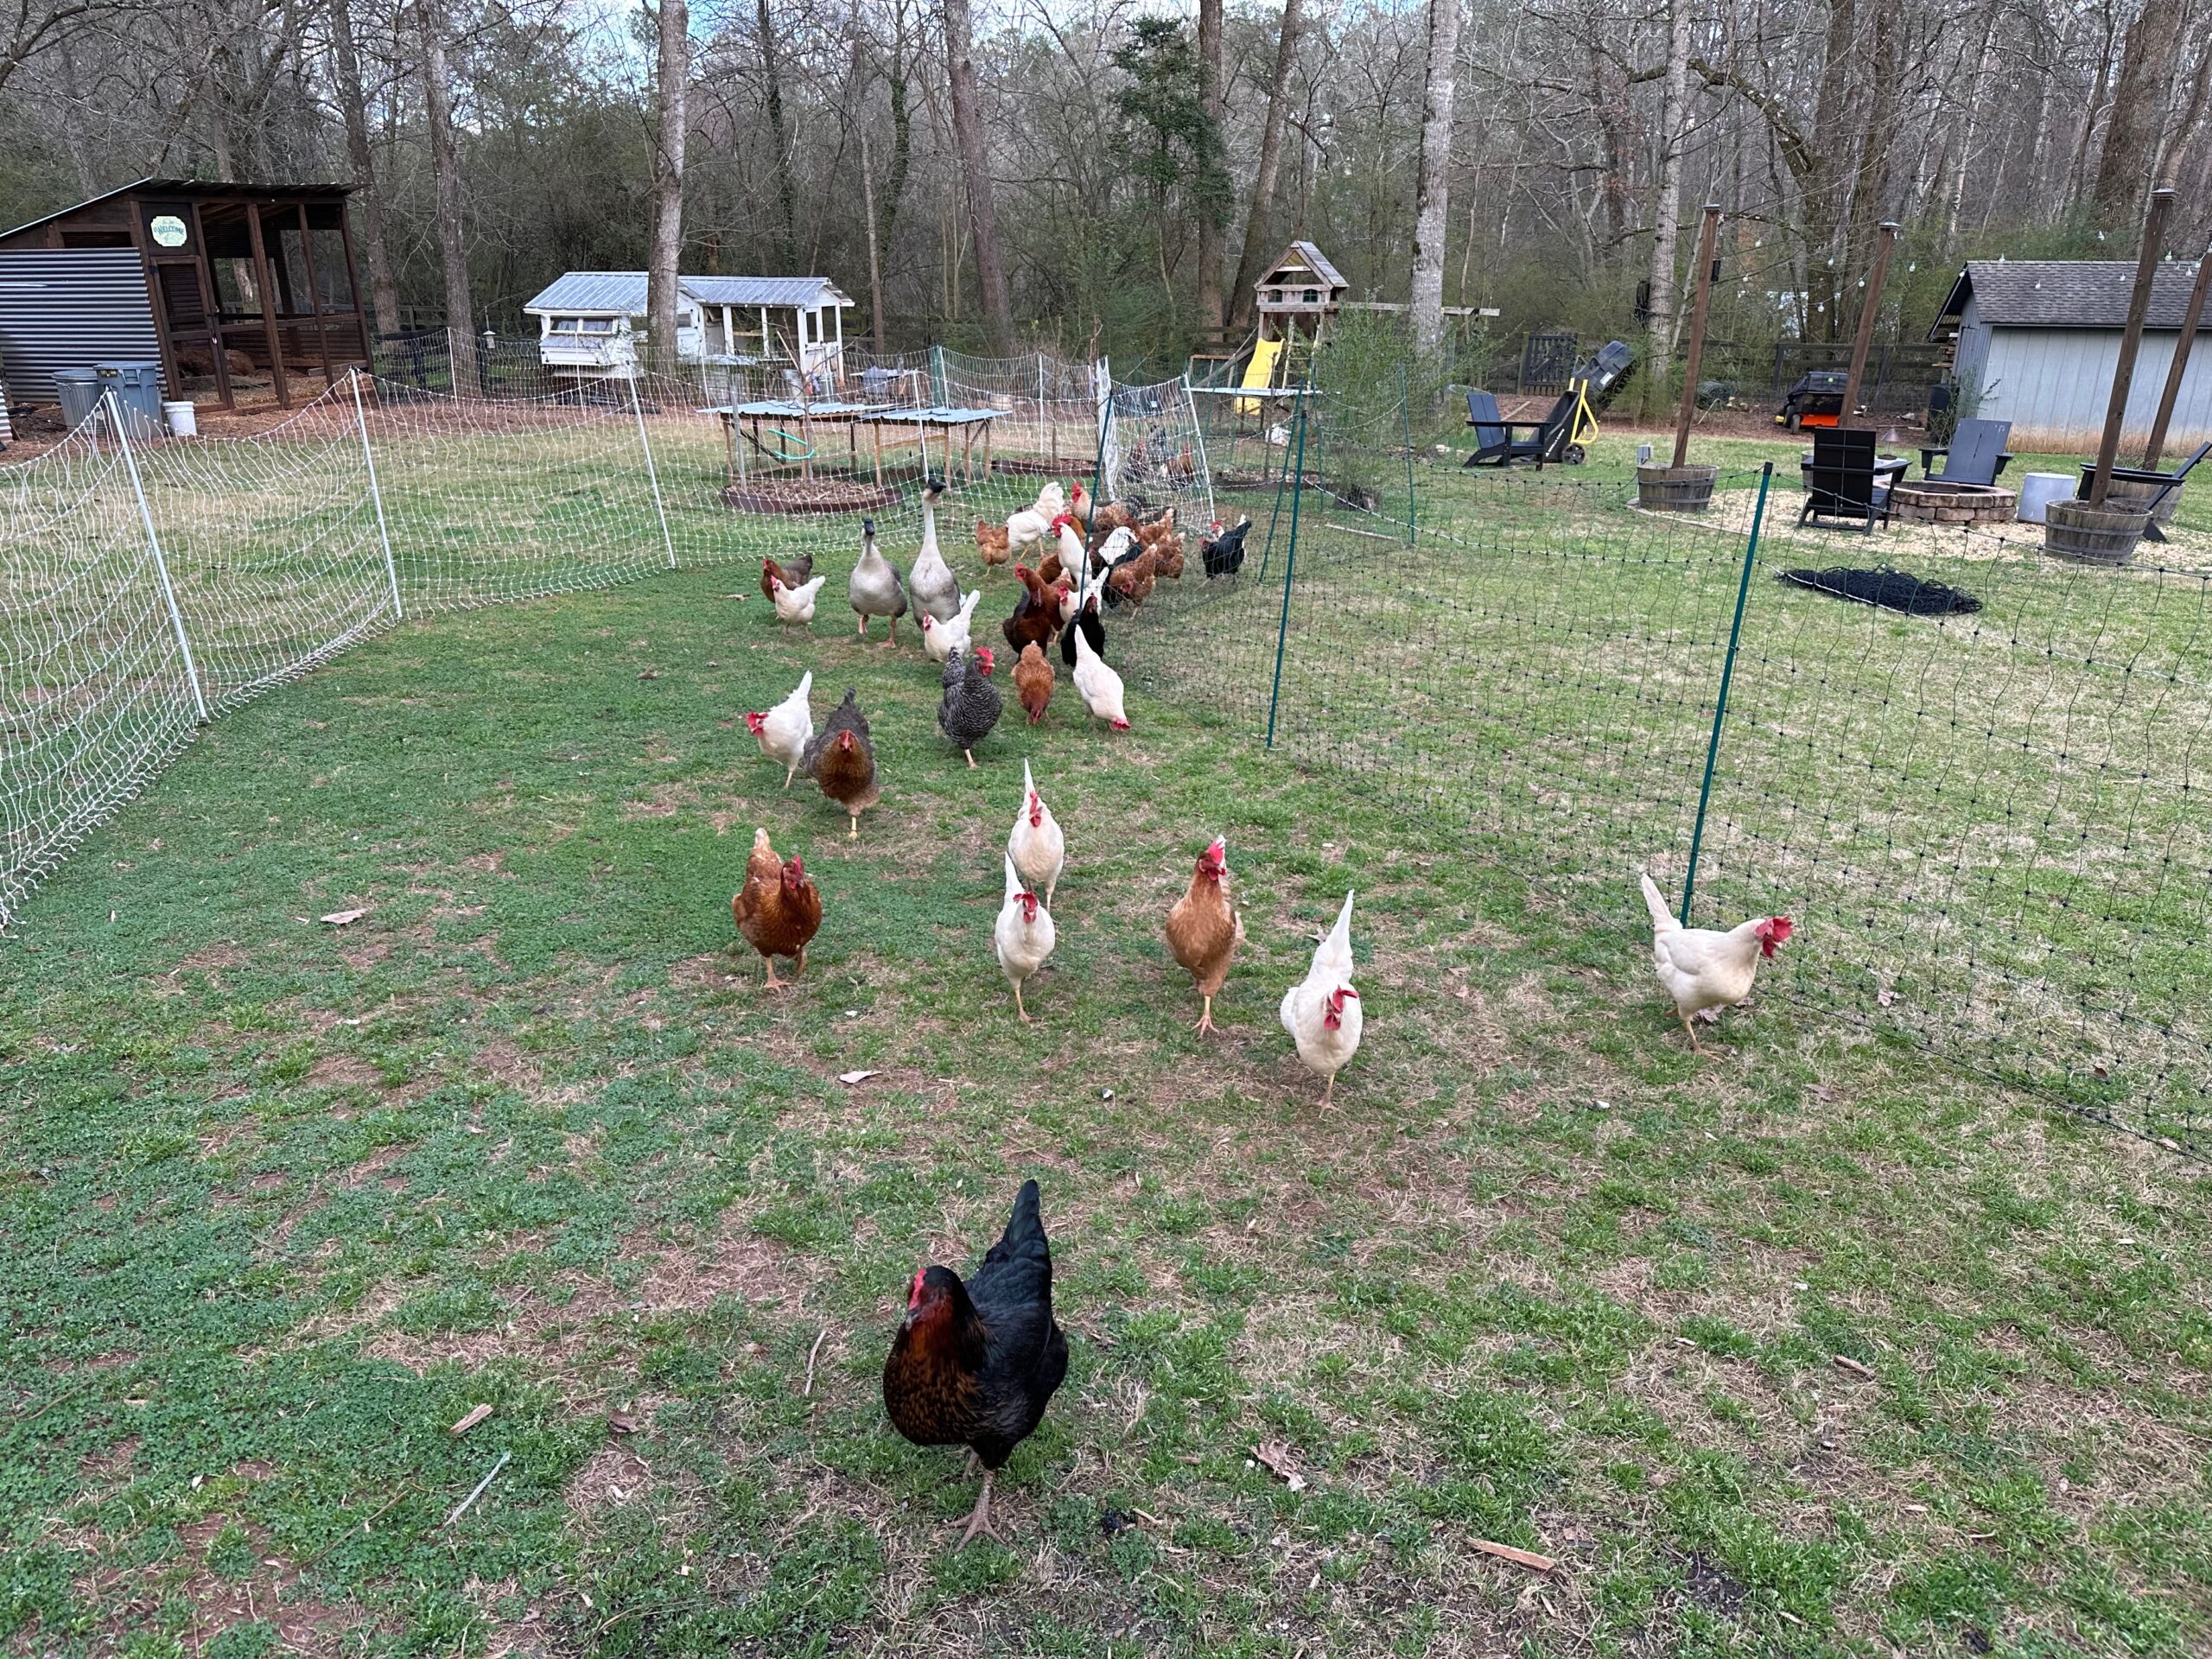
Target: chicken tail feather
(1656,901)
(1023,1238)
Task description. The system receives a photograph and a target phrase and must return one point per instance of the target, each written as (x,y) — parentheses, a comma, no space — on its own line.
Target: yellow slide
(1259,374)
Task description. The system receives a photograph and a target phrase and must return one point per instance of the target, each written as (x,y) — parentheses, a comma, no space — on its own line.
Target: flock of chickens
(976,1363)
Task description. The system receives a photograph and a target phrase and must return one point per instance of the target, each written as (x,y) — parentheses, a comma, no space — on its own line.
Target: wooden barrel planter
(2104,535)
(2129,492)
(1674,489)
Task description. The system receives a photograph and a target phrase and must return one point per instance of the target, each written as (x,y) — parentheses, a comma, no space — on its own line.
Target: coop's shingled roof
(2064,293)
(622,293)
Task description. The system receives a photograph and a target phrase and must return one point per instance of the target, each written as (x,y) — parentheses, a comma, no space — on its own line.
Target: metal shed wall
(69,309)
(2053,384)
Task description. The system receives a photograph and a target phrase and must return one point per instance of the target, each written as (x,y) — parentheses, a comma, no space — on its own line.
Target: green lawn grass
(284,1201)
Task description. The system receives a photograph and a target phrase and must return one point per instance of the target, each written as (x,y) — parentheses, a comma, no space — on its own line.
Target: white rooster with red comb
(1321,1013)
(1703,969)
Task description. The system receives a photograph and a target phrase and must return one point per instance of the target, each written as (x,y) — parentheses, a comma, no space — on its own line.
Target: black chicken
(1092,628)
(971,703)
(1223,553)
(975,1364)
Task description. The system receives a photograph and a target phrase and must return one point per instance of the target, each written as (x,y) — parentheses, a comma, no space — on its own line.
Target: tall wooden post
(2191,315)
(1884,241)
(2123,374)
(1704,241)
(268,286)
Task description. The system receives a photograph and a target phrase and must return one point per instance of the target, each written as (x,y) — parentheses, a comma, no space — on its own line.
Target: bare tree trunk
(902,129)
(1210,227)
(665,257)
(1242,301)
(383,291)
(772,73)
(2138,113)
(1433,191)
(1667,212)
(445,168)
(975,167)
(1608,101)
(1871,183)
(874,256)
(1963,161)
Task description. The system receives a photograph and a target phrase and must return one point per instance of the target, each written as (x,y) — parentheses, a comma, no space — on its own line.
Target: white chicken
(1703,969)
(1051,500)
(1037,848)
(1024,935)
(941,640)
(1099,686)
(796,604)
(1071,543)
(1025,529)
(1321,1013)
(785,729)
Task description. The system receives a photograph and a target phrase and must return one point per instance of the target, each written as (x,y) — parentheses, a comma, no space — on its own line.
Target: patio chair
(1839,481)
(2169,481)
(1559,437)
(1975,454)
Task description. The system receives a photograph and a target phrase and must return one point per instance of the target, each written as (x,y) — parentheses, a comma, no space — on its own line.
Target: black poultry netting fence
(1973,775)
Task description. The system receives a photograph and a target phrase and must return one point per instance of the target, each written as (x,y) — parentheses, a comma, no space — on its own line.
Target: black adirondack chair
(1976,454)
(2171,481)
(1839,481)
(1557,437)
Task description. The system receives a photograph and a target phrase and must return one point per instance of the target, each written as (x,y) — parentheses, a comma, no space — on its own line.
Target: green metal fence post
(1727,673)
(1289,570)
(1406,410)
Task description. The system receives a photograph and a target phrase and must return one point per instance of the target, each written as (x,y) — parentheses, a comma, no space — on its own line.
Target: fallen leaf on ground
(345,917)
(620,1423)
(857,1076)
(1276,1456)
(650,674)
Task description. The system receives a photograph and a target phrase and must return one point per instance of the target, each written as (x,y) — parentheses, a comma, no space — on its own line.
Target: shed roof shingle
(2068,293)
(623,292)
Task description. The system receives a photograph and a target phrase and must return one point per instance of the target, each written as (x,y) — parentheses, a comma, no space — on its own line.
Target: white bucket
(183,419)
(2038,491)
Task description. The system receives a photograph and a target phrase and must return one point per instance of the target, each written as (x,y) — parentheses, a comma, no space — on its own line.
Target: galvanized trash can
(137,388)
(79,390)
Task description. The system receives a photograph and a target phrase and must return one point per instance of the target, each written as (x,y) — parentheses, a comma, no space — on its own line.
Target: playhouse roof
(1302,255)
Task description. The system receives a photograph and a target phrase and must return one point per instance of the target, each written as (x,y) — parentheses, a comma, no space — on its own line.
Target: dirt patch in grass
(131,1600)
(333,1069)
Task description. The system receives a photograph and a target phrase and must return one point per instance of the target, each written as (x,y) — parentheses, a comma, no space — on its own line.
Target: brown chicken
(840,759)
(975,1364)
(991,542)
(777,909)
(1167,558)
(1203,931)
(793,575)
(1133,578)
(1051,571)
(1034,679)
(1159,529)
(1036,619)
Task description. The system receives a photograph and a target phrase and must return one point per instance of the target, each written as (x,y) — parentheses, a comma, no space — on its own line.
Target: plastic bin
(79,390)
(137,388)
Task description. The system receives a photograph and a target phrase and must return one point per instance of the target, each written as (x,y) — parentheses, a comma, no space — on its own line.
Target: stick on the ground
(809,1390)
(1526,1558)
(1845,1362)
(462,1508)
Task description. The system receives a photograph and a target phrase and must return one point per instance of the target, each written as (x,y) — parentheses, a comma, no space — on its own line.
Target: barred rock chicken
(1033,679)
(991,544)
(931,582)
(784,729)
(1099,686)
(779,909)
(975,1364)
(1221,554)
(971,703)
(1037,848)
(1024,935)
(1705,971)
(874,589)
(941,640)
(1321,1013)
(842,760)
(796,604)
(792,573)
(1204,930)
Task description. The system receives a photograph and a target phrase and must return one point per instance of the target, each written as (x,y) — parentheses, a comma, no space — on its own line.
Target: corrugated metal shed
(69,309)
(622,293)
(806,292)
(606,293)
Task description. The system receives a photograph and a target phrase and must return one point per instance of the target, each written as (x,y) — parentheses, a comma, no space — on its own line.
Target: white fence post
(1040,402)
(646,443)
(160,564)
(1198,438)
(376,495)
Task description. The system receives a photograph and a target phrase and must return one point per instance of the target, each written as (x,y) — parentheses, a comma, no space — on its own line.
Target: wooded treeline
(1004,172)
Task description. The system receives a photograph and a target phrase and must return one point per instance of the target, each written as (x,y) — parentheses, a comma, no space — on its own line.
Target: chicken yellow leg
(979,1518)
(1206,1020)
(774,984)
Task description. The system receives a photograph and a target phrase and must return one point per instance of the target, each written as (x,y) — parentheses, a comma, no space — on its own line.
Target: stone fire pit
(1933,501)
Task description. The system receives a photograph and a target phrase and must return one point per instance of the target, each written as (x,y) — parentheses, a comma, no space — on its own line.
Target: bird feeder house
(1298,295)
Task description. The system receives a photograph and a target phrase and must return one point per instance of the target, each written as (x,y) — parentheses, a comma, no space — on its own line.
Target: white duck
(1099,686)
(795,604)
(941,640)
(1024,935)
(1037,848)
(874,589)
(935,590)
(1322,1012)
(785,729)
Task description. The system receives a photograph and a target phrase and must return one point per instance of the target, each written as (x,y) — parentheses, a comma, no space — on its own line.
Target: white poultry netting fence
(146,587)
